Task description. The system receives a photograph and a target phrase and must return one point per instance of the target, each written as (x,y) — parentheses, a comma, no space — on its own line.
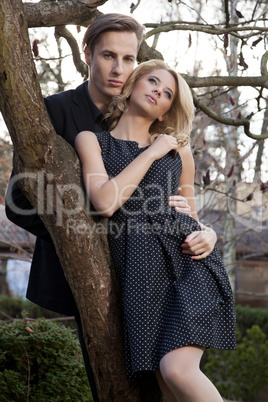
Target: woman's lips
(151,99)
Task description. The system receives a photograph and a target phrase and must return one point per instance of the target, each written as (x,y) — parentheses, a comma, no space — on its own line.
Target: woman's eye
(168,94)
(153,80)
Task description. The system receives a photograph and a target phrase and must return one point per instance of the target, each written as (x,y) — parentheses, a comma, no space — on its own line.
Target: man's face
(110,64)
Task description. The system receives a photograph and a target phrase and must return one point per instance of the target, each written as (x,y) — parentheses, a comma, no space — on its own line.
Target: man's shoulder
(66,96)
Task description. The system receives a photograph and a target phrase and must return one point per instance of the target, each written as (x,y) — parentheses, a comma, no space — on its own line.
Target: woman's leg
(169,396)
(181,372)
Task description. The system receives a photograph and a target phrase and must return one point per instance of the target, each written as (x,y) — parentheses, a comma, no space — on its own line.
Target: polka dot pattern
(169,300)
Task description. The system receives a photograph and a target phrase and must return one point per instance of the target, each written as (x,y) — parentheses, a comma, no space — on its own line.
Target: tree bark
(51,179)
(55,13)
(229,235)
(258,163)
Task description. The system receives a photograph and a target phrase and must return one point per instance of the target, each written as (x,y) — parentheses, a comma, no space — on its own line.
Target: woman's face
(153,94)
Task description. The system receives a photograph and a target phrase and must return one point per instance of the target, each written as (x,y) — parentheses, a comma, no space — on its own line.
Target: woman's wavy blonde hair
(178,120)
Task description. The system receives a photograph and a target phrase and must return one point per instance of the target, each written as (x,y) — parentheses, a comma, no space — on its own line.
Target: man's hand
(200,244)
(180,203)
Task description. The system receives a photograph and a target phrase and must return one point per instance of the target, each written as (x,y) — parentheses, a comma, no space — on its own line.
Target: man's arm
(20,211)
(199,244)
(17,206)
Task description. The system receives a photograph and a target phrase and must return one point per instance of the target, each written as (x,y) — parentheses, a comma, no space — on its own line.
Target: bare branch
(193,9)
(196,27)
(227,14)
(199,82)
(55,13)
(243,292)
(224,120)
(226,193)
(264,60)
(133,7)
(252,256)
(92,3)
(147,53)
(81,66)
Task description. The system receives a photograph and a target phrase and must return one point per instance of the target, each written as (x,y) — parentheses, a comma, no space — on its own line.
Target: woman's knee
(180,366)
(172,372)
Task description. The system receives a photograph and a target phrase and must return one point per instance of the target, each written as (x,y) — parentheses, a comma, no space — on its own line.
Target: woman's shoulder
(84,137)
(185,151)
(91,136)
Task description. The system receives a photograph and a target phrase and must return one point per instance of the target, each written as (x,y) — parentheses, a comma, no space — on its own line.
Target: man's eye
(107,55)
(129,60)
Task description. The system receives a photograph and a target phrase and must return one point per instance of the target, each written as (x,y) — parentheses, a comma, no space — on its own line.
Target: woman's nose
(157,92)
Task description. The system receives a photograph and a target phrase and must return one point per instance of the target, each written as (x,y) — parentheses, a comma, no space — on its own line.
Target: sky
(204,52)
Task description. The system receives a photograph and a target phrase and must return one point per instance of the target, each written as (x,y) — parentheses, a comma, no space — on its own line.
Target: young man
(111,45)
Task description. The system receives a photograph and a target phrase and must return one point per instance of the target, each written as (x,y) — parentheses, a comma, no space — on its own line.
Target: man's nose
(118,67)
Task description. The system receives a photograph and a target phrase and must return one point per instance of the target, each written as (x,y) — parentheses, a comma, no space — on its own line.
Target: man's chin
(113,91)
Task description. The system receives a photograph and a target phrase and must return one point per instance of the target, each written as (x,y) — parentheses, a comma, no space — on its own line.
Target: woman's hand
(200,244)
(180,203)
(162,145)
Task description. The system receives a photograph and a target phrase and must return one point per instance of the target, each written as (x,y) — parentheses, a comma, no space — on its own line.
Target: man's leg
(86,359)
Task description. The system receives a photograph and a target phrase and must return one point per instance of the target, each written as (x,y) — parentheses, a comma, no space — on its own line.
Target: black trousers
(147,384)
(88,367)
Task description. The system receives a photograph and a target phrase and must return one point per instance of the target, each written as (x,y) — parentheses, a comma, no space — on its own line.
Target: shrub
(40,361)
(242,373)
(247,316)
(15,307)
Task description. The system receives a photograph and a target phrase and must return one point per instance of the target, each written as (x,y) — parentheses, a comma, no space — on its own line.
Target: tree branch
(80,65)
(55,13)
(215,190)
(225,120)
(147,53)
(197,27)
(200,82)
(245,293)
(253,256)
(133,7)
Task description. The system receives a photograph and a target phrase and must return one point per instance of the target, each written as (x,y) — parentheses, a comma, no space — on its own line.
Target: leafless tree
(85,258)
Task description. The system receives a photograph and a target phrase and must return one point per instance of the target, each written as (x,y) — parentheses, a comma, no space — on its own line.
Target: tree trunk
(51,179)
(229,235)
(264,129)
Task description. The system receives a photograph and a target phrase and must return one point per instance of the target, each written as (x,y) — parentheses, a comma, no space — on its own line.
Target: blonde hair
(178,120)
(112,22)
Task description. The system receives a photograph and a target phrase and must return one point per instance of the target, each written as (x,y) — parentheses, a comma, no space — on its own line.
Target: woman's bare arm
(107,195)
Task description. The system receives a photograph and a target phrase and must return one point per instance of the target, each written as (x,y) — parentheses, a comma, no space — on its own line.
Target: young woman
(174,306)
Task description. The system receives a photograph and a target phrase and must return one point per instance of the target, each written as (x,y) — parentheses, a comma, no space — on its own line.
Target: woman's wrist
(150,154)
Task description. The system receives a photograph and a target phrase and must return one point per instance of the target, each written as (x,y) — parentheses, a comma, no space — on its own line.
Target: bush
(242,373)
(237,374)
(247,316)
(16,306)
(41,361)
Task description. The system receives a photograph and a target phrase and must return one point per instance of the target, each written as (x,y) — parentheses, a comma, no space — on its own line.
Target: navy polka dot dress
(169,300)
